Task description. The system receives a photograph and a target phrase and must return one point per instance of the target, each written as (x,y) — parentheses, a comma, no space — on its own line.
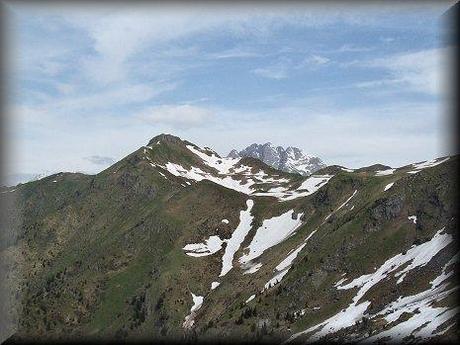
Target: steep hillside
(174,242)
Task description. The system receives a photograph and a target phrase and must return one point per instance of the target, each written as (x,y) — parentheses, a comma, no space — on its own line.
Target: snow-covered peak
(291,159)
(232,173)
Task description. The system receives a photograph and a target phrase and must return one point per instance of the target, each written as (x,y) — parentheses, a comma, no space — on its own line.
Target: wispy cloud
(276,71)
(235,53)
(100,160)
(178,116)
(315,60)
(422,71)
(105,27)
(52,107)
(96,80)
(285,67)
(346,48)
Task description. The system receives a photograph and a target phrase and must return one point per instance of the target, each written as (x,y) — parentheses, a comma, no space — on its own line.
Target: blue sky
(354,84)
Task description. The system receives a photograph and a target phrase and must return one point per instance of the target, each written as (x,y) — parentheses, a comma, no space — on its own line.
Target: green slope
(100,257)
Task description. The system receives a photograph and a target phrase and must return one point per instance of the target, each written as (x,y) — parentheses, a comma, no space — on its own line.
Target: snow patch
(346,201)
(417,256)
(285,265)
(290,258)
(388,186)
(340,207)
(275,280)
(250,299)
(222,165)
(198,175)
(340,282)
(425,318)
(429,164)
(234,243)
(308,187)
(385,172)
(253,268)
(213,244)
(426,164)
(232,176)
(311,234)
(190,319)
(273,231)
(161,173)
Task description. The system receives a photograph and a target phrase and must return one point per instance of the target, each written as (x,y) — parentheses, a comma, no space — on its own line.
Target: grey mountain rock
(291,159)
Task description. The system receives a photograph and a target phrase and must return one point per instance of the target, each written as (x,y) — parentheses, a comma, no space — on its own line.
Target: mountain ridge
(291,159)
(174,242)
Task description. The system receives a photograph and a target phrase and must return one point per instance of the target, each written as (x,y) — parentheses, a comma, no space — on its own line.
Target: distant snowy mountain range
(291,159)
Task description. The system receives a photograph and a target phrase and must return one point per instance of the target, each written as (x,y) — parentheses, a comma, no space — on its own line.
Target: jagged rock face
(291,159)
(233,154)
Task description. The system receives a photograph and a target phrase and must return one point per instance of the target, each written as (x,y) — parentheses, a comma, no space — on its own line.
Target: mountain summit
(291,159)
(175,243)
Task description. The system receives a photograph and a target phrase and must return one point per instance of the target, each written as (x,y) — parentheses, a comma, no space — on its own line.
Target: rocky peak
(294,153)
(291,159)
(233,154)
(165,138)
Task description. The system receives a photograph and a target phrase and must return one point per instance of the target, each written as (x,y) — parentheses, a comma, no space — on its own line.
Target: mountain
(175,243)
(291,159)
(14,179)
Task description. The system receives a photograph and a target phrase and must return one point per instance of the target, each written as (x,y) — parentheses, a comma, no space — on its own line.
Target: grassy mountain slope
(101,256)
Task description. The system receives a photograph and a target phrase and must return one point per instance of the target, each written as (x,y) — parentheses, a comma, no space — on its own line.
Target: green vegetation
(101,256)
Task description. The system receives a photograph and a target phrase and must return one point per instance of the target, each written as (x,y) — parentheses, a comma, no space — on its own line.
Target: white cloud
(117,34)
(376,83)
(353,48)
(234,53)
(422,71)
(39,57)
(277,72)
(393,134)
(100,160)
(284,67)
(316,60)
(129,94)
(104,99)
(114,48)
(179,116)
